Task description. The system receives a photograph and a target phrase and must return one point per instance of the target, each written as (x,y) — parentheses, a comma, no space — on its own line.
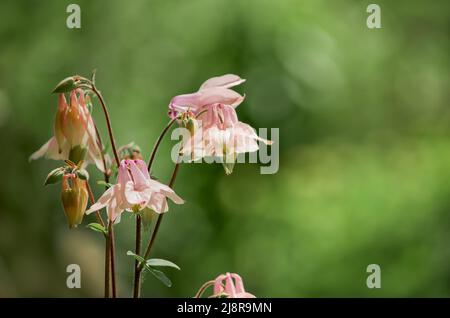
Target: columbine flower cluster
(214,130)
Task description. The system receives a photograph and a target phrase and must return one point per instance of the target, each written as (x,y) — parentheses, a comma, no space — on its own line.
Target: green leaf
(82,174)
(97,227)
(94,72)
(161,263)
(103,183)
(160,275)
(77,154)
(140,259)
(54,176)
(66,85)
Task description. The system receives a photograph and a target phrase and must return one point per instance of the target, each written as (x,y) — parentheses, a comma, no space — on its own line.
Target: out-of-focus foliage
(364,143)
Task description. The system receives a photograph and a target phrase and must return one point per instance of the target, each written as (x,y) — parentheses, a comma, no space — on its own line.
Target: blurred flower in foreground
(226,286)
(134,191)
(219,133)
(75,136)
(130,151)
(74,196)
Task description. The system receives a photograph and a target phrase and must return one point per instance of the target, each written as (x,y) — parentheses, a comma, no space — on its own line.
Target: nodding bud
(71,124)
(74,197)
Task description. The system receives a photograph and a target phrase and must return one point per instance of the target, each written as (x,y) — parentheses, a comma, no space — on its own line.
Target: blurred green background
(364,143)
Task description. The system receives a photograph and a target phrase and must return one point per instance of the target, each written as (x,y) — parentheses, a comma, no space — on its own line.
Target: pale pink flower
(219,132)
(227,285)
(74,137)
(134,191)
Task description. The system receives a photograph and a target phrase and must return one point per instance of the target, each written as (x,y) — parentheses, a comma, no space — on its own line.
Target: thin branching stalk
(91,197)
(203,288)
(112,258)
(107,243)
(108,123)
(159,219)
(137,251)
(158,142)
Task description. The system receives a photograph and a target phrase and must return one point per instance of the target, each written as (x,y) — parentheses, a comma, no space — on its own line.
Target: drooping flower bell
(75,137)
(229,285)
(74,197)
(134,192)
(221,134)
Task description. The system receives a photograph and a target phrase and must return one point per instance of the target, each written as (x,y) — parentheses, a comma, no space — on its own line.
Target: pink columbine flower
(219,133)
(74,137)
(229,285)
(134,191)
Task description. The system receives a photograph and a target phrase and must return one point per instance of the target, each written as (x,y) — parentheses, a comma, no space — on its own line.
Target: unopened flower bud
(74,196)
(75,123)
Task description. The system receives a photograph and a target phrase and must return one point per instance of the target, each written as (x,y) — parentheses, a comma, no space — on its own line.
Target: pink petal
(218,288)
(227,81)
(142,167)
(196,101)
(238,283)
(133,196)
(106,197)
(140,178)
(50,150)
(229,287)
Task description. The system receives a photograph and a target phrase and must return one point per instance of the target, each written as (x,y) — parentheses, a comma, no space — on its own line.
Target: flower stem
(107,266)
(92,199)
(101,148)
(158,142)
(203,288)
(137,251)
(107,242)
(159,219)
(112,257)
(137,267)
(108,123)
(155,231)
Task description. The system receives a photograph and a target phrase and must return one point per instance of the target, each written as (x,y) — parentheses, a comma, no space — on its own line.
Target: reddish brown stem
(108,123)
(158,142)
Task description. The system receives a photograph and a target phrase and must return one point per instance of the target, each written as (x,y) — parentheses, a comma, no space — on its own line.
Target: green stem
(158,142)
(137,277)
(159,219)
(108,123)
(107,266)
(112,257)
